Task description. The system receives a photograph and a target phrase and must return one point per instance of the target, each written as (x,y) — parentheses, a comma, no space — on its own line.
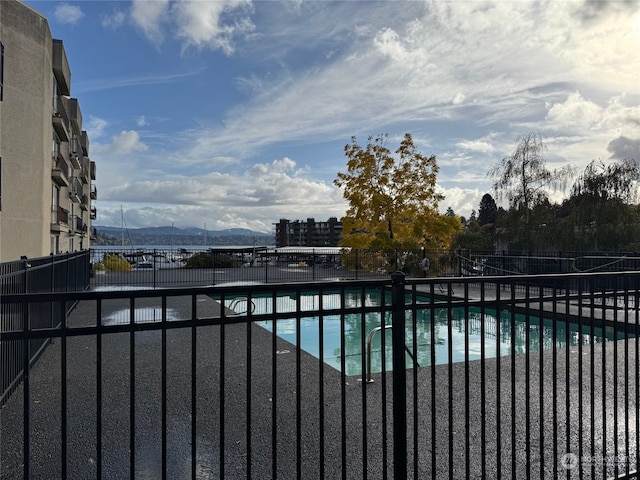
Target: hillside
(180,236)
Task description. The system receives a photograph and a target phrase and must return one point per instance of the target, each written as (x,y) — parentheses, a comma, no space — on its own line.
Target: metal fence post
(399,377)
(154,268)
(266,268)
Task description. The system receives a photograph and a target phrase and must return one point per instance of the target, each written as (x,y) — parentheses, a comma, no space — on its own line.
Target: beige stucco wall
(26,135)
(25,132)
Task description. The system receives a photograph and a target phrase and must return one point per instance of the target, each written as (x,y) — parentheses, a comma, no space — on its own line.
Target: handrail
(372,334)
(234,303)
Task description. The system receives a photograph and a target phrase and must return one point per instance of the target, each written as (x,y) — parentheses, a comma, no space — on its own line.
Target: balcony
(78,226)
(75,152)
(84,203)
(92,170)
(75,115)
(94,233)
(93,214)
(61,69)
(60,170)
(75,190)
(94,192)
(84,170)
(59,219)
(84,143)
(60,119)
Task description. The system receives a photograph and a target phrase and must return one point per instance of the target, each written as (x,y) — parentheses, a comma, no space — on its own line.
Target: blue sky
(235,113)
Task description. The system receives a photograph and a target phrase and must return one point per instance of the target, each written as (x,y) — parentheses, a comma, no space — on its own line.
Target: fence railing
(487,377)
(56,273)
(165,267)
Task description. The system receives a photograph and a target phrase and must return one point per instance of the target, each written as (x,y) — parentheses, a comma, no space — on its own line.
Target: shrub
(211,260)
(113,262)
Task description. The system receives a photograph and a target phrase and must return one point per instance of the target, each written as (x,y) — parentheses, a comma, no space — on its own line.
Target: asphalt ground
(472,433)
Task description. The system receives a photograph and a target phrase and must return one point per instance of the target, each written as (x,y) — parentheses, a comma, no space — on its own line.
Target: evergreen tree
(488,210)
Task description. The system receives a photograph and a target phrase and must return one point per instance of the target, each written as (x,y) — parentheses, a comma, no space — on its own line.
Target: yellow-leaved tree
(393,201)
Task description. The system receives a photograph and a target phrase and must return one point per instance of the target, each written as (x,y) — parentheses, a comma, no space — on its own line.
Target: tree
(393,201)
(523,177)
(488,210)
(599,211)
(616,181)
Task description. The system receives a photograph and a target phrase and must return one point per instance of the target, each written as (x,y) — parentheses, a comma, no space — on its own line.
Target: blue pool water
(461,328)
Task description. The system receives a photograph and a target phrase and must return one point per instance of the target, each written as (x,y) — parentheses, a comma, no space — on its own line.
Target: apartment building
(46,176)
(308,233)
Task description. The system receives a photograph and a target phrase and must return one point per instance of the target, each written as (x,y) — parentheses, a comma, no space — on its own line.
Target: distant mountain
(180,236)
(181,231)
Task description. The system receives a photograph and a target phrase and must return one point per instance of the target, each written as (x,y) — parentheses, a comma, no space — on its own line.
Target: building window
(1,70)
(55,198)
(54,100)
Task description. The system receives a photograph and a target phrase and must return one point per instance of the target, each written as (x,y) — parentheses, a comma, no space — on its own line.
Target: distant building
(46,189)
(299,233)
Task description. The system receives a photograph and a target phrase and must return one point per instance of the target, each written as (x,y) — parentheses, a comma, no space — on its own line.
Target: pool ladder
(236,301)
(372,334)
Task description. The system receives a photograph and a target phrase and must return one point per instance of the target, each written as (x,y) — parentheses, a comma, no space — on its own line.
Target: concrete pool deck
(360,400)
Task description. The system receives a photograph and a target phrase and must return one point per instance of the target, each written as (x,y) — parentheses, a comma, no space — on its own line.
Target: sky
(235,113)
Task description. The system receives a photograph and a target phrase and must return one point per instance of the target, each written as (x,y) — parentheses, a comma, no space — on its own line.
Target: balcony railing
(84,143)
(79,226)
(61,119)
(60,170)
(84,170)
(93,213)
(474,379)
(75,190)
(75,152)
(94,191)
(59,216)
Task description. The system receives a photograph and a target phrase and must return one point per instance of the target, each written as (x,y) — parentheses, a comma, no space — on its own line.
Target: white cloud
(67,13)
(457,55)
(584,130)
(149,16)
(476,146)
(387,41)
(127,141)
(109,83)
(576,111)
(253,199)
(141,122)
(200,24)
(212,24)
(115,20)
(461,200)
(95,127)
(458,99)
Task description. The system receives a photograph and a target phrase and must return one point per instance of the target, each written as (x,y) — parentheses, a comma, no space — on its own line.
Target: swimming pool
(471,323)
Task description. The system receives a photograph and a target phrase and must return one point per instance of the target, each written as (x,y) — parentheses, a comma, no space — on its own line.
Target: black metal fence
(181,267)
(56,273)
(484,377)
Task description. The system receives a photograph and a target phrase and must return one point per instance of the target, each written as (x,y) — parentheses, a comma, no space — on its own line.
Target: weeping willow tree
(602,214)
(523,179)
(393,199)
